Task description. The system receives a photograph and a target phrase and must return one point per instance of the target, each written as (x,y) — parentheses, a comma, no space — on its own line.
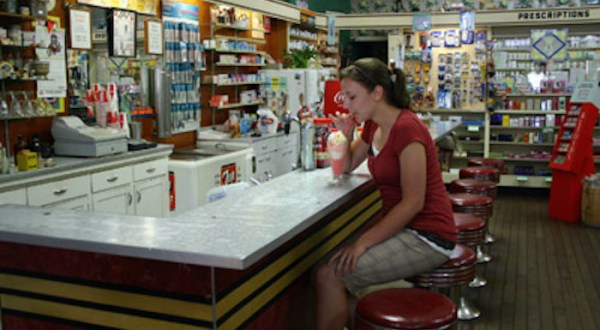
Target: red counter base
(49,288)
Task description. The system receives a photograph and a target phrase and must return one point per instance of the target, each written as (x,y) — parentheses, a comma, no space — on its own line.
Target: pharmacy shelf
(238,105)
(515,128)
(529,112)
(451,111)
(521,144)
(524,160)
(236,27)
(538,95)
(252,40)
(239,84)
(235,51)
(239,64)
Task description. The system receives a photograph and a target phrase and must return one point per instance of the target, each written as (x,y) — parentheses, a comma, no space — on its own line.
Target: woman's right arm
(358,153)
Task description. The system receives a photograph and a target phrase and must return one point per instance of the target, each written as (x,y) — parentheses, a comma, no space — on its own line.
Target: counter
(236,263)
(71,166)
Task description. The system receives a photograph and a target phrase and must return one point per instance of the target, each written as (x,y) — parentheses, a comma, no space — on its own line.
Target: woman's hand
(344,122)
(346,258)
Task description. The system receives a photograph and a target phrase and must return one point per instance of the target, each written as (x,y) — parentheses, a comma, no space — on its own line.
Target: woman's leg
(332,301)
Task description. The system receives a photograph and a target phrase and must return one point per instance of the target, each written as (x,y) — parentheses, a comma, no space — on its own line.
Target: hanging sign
(331,39)
(549,44)
(149,7)
(421,22)
(307,17)
(467,27)
(180,10)
(561,14)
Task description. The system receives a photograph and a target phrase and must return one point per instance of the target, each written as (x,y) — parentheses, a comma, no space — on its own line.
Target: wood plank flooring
(545,273)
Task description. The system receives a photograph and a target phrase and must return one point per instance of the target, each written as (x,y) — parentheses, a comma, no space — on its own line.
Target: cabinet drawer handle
(139,196)
(113,178)
(150,170)
(60,191)
(130,196)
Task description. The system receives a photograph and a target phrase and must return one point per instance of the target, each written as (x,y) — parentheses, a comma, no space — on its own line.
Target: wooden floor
(545,273)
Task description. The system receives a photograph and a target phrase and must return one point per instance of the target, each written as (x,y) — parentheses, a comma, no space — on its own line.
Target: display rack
(9,19)
(235,56)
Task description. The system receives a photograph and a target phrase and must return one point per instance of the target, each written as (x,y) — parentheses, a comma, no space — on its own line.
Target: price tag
(522,178)
(548,179)
(472,128)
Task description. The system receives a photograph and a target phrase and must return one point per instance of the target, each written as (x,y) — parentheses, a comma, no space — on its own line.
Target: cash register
(72,137)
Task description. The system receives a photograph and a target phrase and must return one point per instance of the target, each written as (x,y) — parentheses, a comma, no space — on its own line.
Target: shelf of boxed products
(521,144)
(238,105)
(251,40)
(530,112)
(452,111)
(538,95)
(237,27)
(239,64)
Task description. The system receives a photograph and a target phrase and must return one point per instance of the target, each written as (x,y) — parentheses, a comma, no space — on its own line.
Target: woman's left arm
(413,179)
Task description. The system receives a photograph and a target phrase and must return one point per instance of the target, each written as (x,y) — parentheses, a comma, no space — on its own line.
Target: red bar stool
(491,162)
(471,232)
(480,173)
(477,205)
(474,186)
(456,273)
(405,308)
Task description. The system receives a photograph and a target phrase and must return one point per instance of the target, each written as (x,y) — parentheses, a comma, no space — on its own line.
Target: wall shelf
(527,128)
(239,64)
(529,112)
(521,144)
(538,95)
(252,40)
(238,105)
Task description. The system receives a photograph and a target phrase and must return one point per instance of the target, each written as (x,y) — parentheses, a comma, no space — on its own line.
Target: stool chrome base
(466,311)
(489,239)
(478,282)
(482,257)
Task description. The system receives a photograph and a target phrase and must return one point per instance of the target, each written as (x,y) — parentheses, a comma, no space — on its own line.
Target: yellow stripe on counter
(87,315)
(246,289)
(142,302)
(261,299)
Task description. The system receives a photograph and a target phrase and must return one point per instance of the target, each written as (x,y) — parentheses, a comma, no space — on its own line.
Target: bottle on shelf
(19,145)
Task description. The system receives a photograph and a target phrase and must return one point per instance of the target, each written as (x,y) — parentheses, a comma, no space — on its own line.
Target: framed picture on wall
(80,28)
(121,33)
(153,37)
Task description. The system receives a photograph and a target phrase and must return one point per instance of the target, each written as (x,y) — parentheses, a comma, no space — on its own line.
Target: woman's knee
(324,274)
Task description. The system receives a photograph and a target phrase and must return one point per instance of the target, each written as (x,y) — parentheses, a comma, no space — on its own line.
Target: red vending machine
(573,154)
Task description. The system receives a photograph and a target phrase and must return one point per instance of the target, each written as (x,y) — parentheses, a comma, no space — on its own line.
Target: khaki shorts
(401,256)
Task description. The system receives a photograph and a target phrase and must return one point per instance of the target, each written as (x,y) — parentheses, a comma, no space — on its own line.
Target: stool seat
(492,162)
(466,222)
(405,308)
(480,173)
(461,256)
(466,199)
(474,186)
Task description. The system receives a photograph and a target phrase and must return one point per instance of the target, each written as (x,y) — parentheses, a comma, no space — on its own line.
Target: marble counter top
(230,233)
(74,165)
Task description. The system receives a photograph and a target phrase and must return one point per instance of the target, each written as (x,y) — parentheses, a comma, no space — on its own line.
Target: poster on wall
(121,33)
(51,41)
(467,27)
(80,28)
(153,37)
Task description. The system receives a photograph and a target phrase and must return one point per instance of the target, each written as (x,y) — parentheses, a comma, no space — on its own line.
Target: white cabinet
(111,191)
(275,155)
(151,197)
(15,196)
(151,188)
(72,193)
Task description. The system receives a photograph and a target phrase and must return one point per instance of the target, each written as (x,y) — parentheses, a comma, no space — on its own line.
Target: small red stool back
(480,173)
(405,308)
(474,186)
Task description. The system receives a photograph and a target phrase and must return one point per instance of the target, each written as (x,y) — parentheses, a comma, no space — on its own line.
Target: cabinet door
(152,197)
(116,200)
(16,196)
(285,160)
(266,166)
(81,203)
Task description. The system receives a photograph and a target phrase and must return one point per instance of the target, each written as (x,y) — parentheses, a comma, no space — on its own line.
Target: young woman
(416,232)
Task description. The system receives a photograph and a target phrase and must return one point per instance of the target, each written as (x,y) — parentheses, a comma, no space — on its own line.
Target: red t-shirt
(436,215)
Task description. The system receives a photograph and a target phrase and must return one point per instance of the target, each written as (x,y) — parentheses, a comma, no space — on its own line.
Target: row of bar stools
(405,308)
(456,273)
(471,232)
(477,205)
(484,173)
